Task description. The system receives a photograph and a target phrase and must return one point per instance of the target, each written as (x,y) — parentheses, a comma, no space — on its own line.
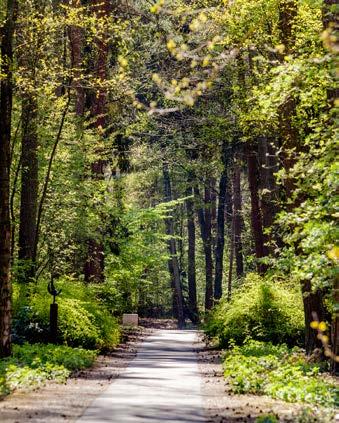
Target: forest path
(162,383)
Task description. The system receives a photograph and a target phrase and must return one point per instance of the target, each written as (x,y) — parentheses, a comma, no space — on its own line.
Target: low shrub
(83,319)
(274,370)
(260,309)
(31,366)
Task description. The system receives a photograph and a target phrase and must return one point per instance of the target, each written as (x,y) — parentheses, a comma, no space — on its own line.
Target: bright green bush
(83,318)
(32,365)
(260,309)
(263,368)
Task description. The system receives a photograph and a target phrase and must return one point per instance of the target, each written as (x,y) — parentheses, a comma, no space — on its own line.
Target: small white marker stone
(130,320)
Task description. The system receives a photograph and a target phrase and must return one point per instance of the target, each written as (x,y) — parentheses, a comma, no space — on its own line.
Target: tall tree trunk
(213,208)
(205,222)
(256,218)
(208,246)
(6,100)
(220,242)
(94,266)
(238,221)
(173,264)
(313,309)
(191,275)
(29,188)
(230,270)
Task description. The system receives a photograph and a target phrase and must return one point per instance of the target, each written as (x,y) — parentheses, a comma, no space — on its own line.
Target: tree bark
(29,188)
(230,270)
(205,222)
(238,221)
(191,275)
(173,264)
(6,101)
(256,217)
(313,308)
(220,242)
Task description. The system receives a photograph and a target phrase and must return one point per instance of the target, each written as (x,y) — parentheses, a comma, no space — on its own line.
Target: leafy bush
(32,365)
(260,309)
(83,319)
(267,418)
(263,368)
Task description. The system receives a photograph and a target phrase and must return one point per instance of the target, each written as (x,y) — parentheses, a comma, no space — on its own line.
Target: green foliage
(262,368)
(32,366)
(261,309)
(267,418)
(83,318)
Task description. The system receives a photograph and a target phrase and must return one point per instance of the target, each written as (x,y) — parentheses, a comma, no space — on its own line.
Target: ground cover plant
(279,372)
(31,366)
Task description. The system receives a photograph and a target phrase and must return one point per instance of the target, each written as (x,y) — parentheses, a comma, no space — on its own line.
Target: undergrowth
(260,309)
(279,372)
(32,366)
(83,321)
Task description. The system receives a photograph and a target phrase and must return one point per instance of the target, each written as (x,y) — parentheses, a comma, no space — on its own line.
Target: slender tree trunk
(208,247)
(173,264)
(220,242)
(204,217)
(256,218)
(48,177)
(29,188)
(313,308)
(213,208)
(6,100)
(14,184)
(238,221)
(230,270)
(191,275)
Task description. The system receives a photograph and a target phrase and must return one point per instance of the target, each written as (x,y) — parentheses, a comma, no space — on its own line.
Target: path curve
(161,384)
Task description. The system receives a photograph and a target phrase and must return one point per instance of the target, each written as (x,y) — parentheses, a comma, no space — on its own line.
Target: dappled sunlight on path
(161,384)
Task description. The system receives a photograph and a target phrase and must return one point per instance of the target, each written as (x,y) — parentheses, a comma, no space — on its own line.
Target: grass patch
(281,373)
(32,365)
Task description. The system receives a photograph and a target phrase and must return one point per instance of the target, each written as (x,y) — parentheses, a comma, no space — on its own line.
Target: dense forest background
(169,158)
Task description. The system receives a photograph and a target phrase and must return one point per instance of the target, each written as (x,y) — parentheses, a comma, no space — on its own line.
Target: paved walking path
(162,384)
